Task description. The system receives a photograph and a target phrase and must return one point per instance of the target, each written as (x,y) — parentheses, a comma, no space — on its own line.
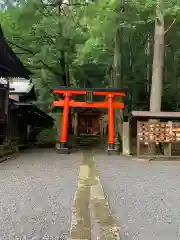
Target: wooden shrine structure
(67,98)
(159,128)
(19,118)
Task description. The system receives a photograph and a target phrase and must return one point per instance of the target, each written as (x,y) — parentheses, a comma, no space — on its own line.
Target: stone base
(63,151)
(61,148)
(111,150)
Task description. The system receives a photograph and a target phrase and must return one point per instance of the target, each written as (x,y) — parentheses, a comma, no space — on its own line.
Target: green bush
(47,136)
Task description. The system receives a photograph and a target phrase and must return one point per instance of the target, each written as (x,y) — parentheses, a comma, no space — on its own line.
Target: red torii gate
(68,102)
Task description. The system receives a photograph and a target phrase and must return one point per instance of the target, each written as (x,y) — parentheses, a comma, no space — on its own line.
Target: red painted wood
(72,103)
(110,120)
(76,92)
(68,102)
(64,127)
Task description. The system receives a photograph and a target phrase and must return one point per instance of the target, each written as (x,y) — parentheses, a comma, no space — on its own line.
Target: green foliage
(47,136)
(41,33)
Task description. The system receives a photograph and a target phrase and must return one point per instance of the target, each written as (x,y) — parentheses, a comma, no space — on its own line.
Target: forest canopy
(99,43)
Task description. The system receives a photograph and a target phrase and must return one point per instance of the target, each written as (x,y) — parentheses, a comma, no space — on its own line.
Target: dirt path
(91,216)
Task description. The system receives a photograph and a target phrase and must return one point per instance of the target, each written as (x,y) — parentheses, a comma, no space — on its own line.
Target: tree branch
(170,26)
(60,3)
(33,54)
(21,47)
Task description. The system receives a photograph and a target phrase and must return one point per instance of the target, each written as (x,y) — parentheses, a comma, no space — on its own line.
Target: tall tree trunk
(158,60)
(158,64)
(149,64)
(117,69)
(117,79)
(65,69)
(117,59)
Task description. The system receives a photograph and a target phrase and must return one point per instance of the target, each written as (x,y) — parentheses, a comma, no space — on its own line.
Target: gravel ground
(144,196)
(37,191)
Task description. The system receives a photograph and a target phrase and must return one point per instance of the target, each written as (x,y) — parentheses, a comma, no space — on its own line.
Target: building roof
(10,64)
(20,86)
(3,81)
(115,90)
(141,115)
(33,114)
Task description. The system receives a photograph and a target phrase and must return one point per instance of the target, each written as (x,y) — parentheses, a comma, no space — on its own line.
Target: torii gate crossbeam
(68,102)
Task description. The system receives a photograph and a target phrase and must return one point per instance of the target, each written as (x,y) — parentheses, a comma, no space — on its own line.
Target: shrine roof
(115,90)
(145,115)
(10,64)
(20,86)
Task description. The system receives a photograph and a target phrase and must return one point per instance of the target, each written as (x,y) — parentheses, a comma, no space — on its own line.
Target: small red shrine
(88,123)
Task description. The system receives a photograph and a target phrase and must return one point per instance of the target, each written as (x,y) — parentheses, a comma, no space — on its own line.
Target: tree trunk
(158,64)
(117,59)
(117,79)
(149,64)
(158,60)
(117,70)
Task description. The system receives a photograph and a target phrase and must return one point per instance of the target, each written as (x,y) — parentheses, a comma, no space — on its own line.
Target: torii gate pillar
(110,104)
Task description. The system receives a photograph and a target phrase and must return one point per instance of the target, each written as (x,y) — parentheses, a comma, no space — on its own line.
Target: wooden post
(167,146)
(111,132)
(58,127)
(125,139)
(101,126)
(64,127)
(138,140)
(75,123)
